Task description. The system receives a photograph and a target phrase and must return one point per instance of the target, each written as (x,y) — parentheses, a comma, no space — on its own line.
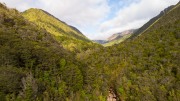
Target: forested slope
(33,65)
(39,63)
(145,68)
(70,38)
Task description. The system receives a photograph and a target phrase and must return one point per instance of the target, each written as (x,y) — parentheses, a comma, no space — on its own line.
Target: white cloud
(76,12)
(89,15)
(79,13)
(133,16)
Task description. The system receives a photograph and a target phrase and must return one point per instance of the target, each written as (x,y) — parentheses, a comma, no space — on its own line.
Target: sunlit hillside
(145,68)
(71,38)
(45,59)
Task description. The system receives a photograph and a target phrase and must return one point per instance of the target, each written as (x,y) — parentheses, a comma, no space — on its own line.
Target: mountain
(114,36)
(70,37)
(100,41)
(36,65)
(121,34)
(117,41)
(119,37)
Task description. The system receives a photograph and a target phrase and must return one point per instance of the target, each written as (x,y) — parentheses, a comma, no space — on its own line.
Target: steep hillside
(70,37)
(145,68)
(44,59)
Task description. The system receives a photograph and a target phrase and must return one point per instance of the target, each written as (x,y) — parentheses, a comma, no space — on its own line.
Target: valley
(44,59)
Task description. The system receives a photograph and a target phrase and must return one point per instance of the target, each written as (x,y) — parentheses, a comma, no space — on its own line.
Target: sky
(98,19)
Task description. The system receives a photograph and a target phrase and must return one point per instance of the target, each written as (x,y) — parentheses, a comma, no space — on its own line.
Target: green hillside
(145,68)
(44,59)
(71,38)
(33,65)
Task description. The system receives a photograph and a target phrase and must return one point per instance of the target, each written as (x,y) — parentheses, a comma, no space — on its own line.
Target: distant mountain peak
(121,34)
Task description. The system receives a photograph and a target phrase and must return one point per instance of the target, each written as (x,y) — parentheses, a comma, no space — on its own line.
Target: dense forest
(44,59)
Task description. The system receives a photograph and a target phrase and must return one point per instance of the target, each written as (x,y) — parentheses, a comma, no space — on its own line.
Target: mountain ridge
(74,28)
(145,68)
(70,37)
(152,21)
(35,63)
(119,37)
(31,10)
(121,34)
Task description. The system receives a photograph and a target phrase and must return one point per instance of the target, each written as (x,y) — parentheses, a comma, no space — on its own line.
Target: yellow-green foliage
(34,66)
(145,68)
(70,38)
(46,20)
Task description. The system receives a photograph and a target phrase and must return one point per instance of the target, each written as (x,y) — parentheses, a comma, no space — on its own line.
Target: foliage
(32,62)
(145,68)
(57,63)
(69,37)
